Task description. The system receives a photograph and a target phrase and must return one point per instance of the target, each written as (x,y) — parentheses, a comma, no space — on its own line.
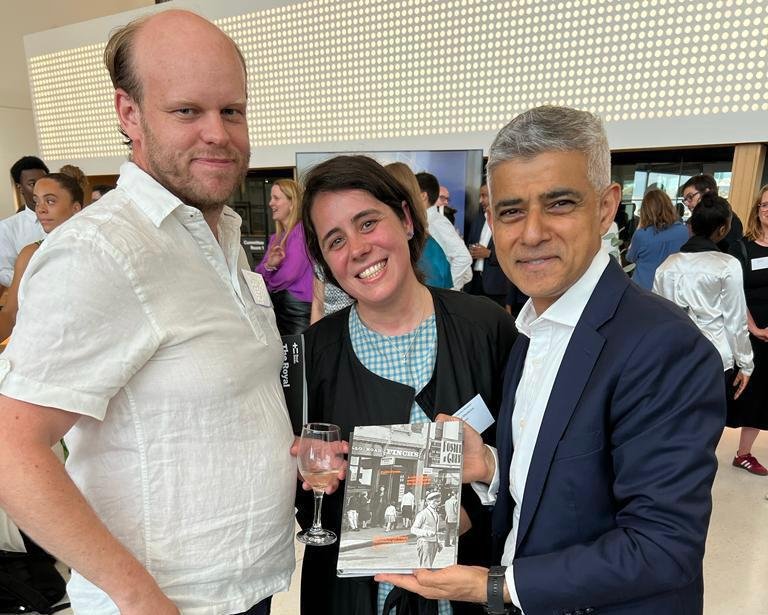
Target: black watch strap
(495,605)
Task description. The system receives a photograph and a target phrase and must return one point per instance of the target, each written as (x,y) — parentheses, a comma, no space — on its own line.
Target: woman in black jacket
(402,353)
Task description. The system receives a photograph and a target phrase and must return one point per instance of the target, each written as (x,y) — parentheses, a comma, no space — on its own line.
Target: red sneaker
(750,464)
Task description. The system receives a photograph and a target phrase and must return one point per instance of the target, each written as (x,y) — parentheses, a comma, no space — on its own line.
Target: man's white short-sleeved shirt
(132,315)
(16,232)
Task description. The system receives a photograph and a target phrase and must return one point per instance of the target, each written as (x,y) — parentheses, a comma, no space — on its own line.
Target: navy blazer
(494,280)
(618,495)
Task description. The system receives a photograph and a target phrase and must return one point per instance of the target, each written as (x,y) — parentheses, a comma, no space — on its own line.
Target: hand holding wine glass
(320,458)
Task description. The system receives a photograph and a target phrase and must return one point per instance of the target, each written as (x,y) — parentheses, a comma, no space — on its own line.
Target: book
(294,381)
(401,499)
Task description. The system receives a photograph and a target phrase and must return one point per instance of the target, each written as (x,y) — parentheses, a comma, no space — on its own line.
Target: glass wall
(667,170)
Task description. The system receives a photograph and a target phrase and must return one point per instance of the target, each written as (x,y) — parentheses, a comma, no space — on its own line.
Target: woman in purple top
(660,234)
(286,267)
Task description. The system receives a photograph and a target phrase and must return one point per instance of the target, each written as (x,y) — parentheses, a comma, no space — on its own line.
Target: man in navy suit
(613,404)
(487,277)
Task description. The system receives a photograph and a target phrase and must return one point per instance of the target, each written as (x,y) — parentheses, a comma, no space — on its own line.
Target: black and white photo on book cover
(402,498)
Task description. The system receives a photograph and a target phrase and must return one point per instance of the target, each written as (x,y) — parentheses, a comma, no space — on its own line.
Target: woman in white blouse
(708,284)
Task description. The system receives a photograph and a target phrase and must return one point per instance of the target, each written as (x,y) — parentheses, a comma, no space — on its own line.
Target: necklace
(374,340)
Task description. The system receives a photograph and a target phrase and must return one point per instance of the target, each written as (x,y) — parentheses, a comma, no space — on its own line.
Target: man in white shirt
(145,338)
(22,228)
(442,232)
(602,478)
(426,526)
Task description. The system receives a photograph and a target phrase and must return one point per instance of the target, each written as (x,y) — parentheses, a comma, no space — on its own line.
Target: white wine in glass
(320,459)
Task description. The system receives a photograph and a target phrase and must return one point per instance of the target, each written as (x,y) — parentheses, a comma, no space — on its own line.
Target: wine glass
(320,458)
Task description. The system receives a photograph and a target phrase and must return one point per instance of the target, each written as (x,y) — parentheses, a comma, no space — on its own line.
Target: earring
(409,235)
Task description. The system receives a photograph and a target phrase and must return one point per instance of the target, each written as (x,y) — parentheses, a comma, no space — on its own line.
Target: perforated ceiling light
(339,70)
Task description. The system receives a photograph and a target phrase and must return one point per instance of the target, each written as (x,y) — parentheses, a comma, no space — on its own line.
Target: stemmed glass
(320,458)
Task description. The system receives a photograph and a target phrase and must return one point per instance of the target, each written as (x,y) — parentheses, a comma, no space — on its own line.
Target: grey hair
(555,129)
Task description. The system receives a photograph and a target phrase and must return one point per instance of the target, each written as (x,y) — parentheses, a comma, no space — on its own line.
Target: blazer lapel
(502,517)
(575,370)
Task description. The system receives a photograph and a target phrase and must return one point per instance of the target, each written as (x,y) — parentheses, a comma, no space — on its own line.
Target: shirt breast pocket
(579,445)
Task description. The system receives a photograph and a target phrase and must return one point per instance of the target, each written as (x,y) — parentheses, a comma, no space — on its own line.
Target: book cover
(402,498)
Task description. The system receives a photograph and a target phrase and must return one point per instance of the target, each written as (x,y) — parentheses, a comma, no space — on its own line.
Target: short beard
(165,168)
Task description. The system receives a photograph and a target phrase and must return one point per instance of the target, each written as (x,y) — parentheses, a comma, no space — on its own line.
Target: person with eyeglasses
(692,191)
(749,412)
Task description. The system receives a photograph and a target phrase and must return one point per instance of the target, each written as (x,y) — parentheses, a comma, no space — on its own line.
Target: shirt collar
(154,200)
(568,308)
(29,213)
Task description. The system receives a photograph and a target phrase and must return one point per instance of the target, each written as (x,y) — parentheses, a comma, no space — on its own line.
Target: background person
(433,262)
(692,191)
(709,286)
(77,174)
(22,228)
(659,234)
(286,267)
(99,190)
(402,351)
(57,198)
(439,227)
(443,205)
(750,411)
(487,277)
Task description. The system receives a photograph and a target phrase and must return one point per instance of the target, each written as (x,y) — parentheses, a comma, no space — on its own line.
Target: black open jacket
(474,337)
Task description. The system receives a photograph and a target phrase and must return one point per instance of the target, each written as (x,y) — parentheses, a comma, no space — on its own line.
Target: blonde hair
(403,173)
(754,229)
(292,192)
(77,174)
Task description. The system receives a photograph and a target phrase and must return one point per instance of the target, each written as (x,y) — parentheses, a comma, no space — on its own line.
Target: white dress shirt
(16,232)
(485,240)
(709,286)
(549,334)
(456,252)
(134,316)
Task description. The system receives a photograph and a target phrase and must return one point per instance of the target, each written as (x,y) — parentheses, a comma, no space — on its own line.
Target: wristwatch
(495,604)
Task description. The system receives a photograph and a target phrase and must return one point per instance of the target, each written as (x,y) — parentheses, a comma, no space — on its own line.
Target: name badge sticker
(476,414)
(760,263)
(258,288)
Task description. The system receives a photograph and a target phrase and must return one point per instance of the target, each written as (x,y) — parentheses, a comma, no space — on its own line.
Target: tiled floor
(736,562)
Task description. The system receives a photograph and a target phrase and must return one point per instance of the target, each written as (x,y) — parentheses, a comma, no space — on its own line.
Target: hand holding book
(479,463)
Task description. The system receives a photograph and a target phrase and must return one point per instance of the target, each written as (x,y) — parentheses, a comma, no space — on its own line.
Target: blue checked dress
(408,359)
